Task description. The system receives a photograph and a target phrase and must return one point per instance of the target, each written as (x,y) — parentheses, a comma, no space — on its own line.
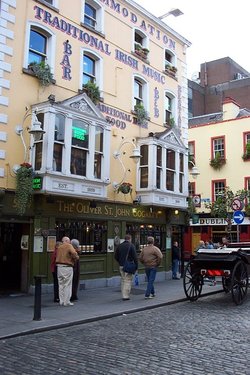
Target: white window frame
(172,97)
(99,14)
(98,67)
(144,91)
(173,58)
(51,44)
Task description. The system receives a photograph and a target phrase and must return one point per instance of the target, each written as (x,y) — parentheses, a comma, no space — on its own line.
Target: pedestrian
(76,272)
(176,257)
(150,257)
(201,245)
(209,244)
(126,251)
(65,259)
(224,241)
(53,268)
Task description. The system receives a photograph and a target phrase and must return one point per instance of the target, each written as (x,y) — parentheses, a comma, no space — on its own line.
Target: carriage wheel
(192,283)
(239,282)
(226,283)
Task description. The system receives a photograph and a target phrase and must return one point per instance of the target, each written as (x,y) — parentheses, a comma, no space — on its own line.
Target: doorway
(10,257)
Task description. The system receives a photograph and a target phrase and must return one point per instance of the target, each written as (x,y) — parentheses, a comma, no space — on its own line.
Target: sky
(216,28)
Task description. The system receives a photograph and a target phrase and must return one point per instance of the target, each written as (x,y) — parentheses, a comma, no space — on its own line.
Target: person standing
(53,268)
(126,250)
(65,259)
(150,257)
(76,272)
(176,257)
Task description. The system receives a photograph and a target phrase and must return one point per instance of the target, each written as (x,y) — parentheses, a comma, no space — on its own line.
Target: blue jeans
(175,267)
(150,273)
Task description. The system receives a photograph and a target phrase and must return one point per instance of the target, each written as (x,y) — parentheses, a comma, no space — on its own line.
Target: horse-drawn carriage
(231,264)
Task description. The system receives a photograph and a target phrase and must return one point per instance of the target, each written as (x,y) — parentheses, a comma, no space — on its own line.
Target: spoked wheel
(192,283)
(239,282)
(226,283)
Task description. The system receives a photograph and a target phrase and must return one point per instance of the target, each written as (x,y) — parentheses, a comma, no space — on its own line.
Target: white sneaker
(69,304)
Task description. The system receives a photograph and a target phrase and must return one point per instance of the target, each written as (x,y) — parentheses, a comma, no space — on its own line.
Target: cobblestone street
(207,337)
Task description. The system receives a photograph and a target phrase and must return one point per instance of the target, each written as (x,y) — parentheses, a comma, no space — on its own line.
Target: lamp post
(174,12)
(194,171)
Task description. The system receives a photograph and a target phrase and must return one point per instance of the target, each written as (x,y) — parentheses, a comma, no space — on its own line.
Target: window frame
(170,110)
(222,150)
(172,61)
(144,92)
(99,19)
(213,187)
(98,78)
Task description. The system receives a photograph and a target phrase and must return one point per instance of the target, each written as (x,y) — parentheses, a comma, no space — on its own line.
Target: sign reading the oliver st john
(106,210)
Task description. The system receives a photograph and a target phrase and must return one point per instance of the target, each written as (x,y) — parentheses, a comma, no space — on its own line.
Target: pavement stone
(17,311)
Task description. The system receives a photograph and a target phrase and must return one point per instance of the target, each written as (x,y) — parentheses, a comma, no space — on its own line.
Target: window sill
(31,73)
(171,75)
(43,2)
(93,30)
(140,57)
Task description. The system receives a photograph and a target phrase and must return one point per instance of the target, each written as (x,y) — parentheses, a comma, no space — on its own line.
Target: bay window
(79,148)
(170,169)
(144,166)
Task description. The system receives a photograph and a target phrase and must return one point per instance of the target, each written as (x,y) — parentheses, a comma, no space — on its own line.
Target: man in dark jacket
(176,256)
(126,250)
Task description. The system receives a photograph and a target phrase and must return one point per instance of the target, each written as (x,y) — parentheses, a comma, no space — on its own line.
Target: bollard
(38,297)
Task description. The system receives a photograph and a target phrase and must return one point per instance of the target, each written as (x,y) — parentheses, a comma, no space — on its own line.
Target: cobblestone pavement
(208,337)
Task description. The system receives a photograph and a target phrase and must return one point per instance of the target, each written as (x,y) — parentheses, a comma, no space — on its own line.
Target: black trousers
(76,279)
(56,287)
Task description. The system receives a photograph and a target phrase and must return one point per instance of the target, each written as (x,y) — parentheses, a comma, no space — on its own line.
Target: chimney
(230,109)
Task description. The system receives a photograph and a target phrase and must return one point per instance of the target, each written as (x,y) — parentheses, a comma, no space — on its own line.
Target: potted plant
(125,188)
(92,90)
(246,155)
(218,161)
(24,189)
(247,210)
(43,72)
(141,114)
(141,51)
(172,70)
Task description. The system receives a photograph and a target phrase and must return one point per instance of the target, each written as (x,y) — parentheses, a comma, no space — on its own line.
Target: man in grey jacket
(151,257)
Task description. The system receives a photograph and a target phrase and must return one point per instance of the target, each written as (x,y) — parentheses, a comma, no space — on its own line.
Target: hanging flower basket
(24,189)
(125,188)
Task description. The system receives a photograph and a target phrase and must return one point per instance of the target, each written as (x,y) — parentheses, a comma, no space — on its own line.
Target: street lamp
(194,171)
(174,12)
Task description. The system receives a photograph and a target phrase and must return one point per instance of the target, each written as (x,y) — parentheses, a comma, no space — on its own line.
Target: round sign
(238,217)
(237,204)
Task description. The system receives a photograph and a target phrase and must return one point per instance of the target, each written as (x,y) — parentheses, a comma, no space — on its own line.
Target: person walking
(150,257)
(126,251)
(76,272)
(65,259)
(176,257)
(53,268)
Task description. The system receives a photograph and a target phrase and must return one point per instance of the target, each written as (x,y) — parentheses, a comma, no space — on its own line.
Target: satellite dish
(196,77)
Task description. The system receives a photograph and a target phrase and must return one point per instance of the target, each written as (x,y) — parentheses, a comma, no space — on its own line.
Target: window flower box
(218,161)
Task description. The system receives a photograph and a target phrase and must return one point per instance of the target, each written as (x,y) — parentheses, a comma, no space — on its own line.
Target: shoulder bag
(129,266)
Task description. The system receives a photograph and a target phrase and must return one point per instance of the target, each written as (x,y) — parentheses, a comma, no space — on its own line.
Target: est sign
(238,217)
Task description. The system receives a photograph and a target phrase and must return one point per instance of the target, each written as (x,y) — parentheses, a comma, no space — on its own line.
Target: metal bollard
(38,297)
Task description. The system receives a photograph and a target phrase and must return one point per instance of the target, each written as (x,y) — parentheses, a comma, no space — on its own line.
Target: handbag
(129,266)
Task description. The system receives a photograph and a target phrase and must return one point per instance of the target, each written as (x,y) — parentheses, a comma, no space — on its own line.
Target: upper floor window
(158,166)
(140,92)
(170,169)
(37,47)
(98,152)
(169,58)
(58,143)
(93,15)
(246,145)
(39,145)
(79,149)
(89,69)
(141,44)
(218,191)
(218,147)
(191,189)
(144,166)
(169,109)
(181,172)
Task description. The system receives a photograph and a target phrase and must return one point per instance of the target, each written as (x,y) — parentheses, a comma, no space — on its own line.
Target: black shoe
(72,299)
(56,300)
(126,299)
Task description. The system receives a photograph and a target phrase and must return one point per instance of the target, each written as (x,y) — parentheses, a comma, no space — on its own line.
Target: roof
(214,118)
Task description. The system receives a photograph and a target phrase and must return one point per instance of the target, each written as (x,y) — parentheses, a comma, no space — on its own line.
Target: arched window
(93,15)
(169,109)
(140,92)
(92,68)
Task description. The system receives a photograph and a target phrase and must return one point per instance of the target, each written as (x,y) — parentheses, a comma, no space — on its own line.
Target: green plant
(92,90)
(218,161)
(170,69)
(43,72)
(141,51)
(24,189)
(125,188)
(141,114)
(246,154)
(247,210)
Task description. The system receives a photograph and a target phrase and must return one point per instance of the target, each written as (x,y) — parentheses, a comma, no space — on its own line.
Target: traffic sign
(237,204)
(238,217)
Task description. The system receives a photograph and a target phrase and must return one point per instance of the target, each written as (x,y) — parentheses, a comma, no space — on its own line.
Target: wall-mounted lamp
(119,153)
(174,12)
(35,130)
(194,171)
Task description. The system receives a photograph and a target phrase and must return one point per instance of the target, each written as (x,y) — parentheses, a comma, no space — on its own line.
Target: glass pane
(40,117)
(138,38)
(144,155)
(170,180)
(99,139)
(59,128)
(181,162)
(78,161)
(57,157)
(159,156)
(98,166)
(90,16)
(144,177)
(38,155)
(80,134)
(88,65)
(37,42)
(33,57)
(181,182)
(158,178)
(170,159)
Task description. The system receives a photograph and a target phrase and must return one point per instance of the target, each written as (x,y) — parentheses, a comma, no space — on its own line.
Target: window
(93,15)
(38,145)
(79,150)
(191,189)
(92,66)
(144,166)
(169,114)
(158,166)
(58,143)
(191,151)
(169,58)
(37,47)
(140,92)
(218,147)
(170,169)
(246,145)
(98,152)
(181,173)
(141,44)
(218,189)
